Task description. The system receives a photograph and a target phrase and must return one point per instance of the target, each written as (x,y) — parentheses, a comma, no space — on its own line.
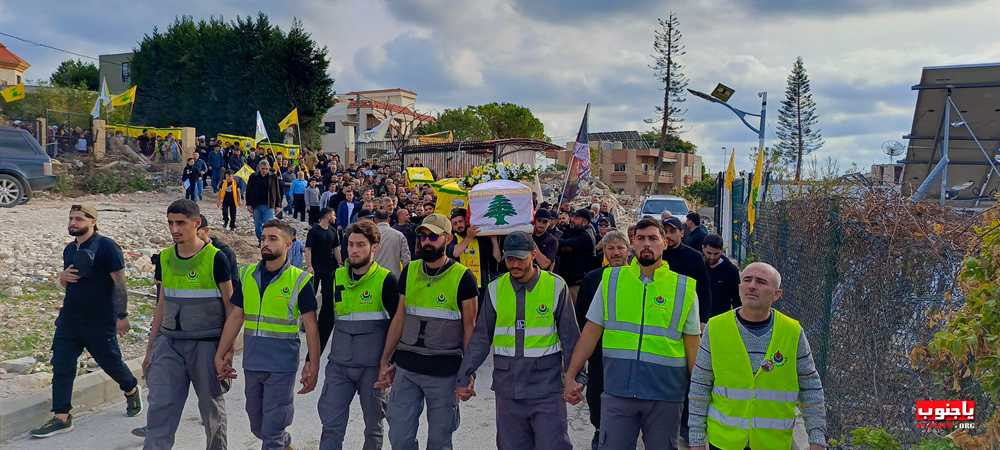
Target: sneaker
(53,427)
(133,403)
(141,432)
(596,441)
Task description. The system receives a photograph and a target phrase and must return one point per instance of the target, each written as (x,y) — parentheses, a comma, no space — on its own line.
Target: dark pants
(67,345)
(313,215)
(216,179)
(229,213)
(192,191)
(299,207)
(324,285)
(595,385)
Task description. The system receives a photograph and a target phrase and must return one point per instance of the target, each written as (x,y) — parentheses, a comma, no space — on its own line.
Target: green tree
(74,73)
(500,207)
(213,75)
(489,121)
(797,131)
(702,192)
(667,50)
(677,144)
(73,106)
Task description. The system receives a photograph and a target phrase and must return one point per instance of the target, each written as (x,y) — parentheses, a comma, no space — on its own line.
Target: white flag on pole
(103,99)
(261,133)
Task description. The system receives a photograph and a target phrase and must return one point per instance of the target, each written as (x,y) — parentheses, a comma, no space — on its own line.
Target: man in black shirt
(689,262)
(431,336)
(576,251)
(94,308)
(547,245)
(695,233)
(724,276)
(322,259)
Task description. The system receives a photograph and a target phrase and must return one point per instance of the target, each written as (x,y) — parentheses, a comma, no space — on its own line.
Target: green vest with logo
(276,313)
(433,324)
(541,337)
(360,300)
(747,408)
(643,326)
(193,307)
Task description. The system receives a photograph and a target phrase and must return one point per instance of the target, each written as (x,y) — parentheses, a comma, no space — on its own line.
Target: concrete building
(12,67)
(117,69)
(627,163)
(886,173)
(372,107)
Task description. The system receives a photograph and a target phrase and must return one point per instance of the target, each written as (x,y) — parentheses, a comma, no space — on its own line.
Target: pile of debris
(623,206)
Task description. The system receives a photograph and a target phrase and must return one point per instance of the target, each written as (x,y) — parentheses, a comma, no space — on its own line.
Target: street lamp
(723,93)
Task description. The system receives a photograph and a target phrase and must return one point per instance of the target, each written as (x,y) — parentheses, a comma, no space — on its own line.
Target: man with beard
(431,329)
(184,334)
(576,251)
(616,250)
(646,317)
(367,296)
(94,308)
(723,274)
(528,323)
(276,298)
(481,255)
(547,245)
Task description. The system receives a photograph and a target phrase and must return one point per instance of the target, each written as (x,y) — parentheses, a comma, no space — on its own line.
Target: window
(645,168)
(619,167)
(18,80)
(331,127)
(126,72)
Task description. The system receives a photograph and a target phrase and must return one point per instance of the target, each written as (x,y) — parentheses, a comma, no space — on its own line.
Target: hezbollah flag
(758,175)
(244,173)
(13,93)
(124,98)
(291,119)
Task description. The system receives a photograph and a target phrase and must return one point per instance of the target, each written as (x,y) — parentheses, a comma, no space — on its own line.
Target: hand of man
(310,373)
(146,360)
(573,393)
(309,269)
(385,374)
(69,275)
(466,392)
(472,232)
(250,208)
(122,326)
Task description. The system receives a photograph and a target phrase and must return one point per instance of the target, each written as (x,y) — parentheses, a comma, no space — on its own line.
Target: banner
(243,142)
(260,134)
(134,131)
(418,175)
(501,207)
(579,166)
(291,119)
(244,173)
(758,176)
(727,205)
(125,98)
(13,93)
(449,196)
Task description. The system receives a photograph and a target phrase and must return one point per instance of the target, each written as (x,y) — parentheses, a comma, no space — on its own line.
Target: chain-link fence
(862,269)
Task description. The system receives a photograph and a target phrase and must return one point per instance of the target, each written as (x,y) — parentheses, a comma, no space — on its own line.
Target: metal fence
(862,270)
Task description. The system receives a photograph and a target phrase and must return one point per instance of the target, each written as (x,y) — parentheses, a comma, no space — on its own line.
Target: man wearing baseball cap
(576,251)
(547,244)
(529,323)
(94,309)
(431,329)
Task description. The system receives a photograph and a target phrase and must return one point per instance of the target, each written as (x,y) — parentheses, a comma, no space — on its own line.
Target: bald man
(754,368)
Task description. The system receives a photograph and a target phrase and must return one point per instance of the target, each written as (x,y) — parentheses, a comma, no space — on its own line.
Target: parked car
(654,205)
(24,167)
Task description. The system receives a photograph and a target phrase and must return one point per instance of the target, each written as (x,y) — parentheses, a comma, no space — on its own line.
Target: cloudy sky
(556,55)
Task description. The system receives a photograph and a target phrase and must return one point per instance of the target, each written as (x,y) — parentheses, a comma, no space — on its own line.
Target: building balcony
(665,178)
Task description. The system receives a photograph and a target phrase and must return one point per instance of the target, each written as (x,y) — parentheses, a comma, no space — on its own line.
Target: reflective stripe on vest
(433,315)
(276,314)
(540,336)
(193,307)
(650,328)
(361,299)
(747,408)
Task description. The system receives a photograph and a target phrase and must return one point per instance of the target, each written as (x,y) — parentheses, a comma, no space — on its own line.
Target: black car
(24,167)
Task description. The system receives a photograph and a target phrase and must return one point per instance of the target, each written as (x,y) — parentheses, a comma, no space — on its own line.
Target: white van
(653,205)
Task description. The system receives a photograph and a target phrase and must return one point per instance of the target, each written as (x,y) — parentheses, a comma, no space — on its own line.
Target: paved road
(108,428)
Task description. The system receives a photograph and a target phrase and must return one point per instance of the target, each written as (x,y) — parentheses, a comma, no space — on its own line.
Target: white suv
(653,205)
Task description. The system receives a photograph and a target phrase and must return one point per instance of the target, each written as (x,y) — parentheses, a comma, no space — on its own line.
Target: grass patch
(27,322)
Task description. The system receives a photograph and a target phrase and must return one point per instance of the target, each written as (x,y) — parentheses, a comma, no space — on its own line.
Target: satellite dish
(893,148)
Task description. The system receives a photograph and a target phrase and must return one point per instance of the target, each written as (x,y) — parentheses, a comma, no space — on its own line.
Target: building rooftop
(9,60)
(380,91)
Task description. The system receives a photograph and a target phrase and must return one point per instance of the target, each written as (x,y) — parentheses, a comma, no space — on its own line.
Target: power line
(48,46)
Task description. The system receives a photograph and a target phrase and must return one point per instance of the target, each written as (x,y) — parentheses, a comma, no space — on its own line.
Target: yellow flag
(244,173)
(291,119)
(124,98)
(758,175)
(731,171)
(13,93)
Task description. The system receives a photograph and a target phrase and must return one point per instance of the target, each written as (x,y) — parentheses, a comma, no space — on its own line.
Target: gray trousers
(270,407)
(532,424)
(406,403)
(175,365)
(341,384)
(623,418)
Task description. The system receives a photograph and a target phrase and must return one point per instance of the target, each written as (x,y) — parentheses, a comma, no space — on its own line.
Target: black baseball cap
(673,221)
(204,222)
(584,213)
(543,214)
(518,245)
(365,214)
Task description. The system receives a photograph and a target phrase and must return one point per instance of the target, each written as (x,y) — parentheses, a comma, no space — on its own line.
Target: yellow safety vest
(276,313)
(433,322)
(747,408)
(541,338)
(193,304)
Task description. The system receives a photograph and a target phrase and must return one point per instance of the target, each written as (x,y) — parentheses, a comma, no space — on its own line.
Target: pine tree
(797,131)
(500,207)
(667,48)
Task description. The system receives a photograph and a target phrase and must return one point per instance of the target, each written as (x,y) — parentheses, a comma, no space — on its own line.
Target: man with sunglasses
(95,307)
(431,329)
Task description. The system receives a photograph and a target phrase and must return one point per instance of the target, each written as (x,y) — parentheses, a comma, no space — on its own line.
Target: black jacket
(263,190)
(725,287)
(689,262)
(695,237)
(576,254)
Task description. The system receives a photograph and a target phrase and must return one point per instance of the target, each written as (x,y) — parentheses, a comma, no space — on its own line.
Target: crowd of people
(650,324)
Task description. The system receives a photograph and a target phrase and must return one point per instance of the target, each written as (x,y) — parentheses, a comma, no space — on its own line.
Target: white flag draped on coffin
(500,207)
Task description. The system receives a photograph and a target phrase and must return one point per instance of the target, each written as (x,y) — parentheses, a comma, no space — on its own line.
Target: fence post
(834,236)
(100,144)
(43,132)
(188,139)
